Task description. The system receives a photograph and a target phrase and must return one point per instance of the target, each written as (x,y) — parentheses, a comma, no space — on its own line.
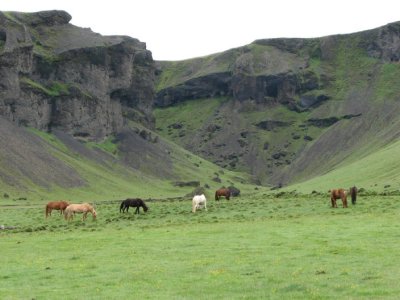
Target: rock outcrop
(57,75)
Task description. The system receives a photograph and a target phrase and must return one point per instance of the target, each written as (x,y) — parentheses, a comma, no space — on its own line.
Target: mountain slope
(286,110)
(378,172)
(43,166)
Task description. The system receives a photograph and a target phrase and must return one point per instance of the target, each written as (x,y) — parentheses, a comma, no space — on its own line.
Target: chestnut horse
(58,205)
(84,208)
(339,194)
(137,202)
(353,194)
(222,192)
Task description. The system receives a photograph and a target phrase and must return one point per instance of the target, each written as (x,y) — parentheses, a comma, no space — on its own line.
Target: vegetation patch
(54,90)
(109,145)
(388,85)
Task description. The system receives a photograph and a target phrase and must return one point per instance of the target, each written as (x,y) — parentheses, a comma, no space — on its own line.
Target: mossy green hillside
(377,172)
(191,115)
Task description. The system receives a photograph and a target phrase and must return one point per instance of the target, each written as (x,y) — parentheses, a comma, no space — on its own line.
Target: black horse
(134,203)
(353,194)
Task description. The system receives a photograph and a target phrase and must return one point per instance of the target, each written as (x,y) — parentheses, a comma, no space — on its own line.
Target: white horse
(198,202)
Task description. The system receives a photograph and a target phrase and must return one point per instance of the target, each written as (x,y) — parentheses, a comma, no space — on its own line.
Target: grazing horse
(353,194)
(58,205)
(338,194)
(222,192)
(137,202)
(84,208)
(198,202)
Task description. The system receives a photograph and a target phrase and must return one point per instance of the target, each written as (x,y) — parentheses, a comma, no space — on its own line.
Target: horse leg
(333,201)
(344,201)
(137,210)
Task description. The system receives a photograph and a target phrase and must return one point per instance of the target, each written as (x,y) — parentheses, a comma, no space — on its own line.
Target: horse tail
(216,196)
(47,210)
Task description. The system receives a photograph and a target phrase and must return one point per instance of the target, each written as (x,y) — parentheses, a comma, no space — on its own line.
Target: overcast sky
(181,29)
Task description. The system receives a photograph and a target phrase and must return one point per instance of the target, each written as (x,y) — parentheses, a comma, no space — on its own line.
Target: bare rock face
(57,75)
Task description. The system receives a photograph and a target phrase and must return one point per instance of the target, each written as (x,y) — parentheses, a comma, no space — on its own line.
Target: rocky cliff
(55,75)
(285,109)
(272,70)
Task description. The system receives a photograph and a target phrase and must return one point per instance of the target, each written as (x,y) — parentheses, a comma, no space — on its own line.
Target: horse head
(94,214)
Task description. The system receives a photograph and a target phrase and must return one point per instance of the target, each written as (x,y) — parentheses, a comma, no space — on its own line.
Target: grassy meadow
(256,246)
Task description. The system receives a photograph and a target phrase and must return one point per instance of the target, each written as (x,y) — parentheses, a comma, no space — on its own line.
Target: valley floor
(256,247)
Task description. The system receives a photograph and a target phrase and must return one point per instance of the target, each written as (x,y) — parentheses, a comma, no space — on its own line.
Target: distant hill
(86,116)
(286,110)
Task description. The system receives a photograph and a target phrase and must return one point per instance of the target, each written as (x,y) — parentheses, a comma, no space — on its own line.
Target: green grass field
(253,247)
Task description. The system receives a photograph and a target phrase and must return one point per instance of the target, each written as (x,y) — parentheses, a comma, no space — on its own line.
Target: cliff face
(272,70)
(57,75)
(281,109)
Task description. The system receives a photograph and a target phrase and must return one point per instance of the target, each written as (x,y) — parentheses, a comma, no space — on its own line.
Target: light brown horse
(222,192)
(58,205)
(338,194)
(84,208)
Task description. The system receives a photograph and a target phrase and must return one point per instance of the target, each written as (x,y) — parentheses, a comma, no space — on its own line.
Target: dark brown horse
(58,205)
(222,192)
(353,194)
(338,194)
(134,203)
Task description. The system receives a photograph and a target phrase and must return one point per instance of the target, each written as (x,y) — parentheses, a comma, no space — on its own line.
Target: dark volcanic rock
(323,122)
(48,18)
(270,125)
(57,76)
(187,183)
(216,84)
